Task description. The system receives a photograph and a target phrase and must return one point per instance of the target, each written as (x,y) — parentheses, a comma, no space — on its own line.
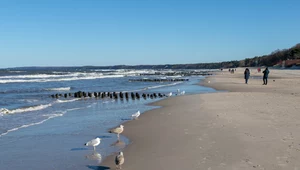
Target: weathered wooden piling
(137,95)
(121,95)
(112,95)
(115,95)
(132,96)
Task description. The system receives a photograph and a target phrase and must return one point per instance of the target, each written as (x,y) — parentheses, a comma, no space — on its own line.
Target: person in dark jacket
(265,77)
(246,75)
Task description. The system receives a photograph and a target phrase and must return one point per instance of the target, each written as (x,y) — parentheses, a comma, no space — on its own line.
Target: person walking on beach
(265,77)
(246,75)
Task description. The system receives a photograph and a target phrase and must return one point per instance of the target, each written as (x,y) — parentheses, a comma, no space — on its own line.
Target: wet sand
(247,126)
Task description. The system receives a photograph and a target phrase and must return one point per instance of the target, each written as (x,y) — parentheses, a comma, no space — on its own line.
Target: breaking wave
(159,86)
(59,89)
(31,124)
(55,78)
(26,109)
(153,87)
(67,101)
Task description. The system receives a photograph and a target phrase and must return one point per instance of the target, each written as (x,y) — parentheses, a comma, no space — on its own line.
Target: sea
(38,131)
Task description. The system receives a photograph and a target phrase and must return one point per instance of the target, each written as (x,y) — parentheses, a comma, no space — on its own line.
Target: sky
(133,32)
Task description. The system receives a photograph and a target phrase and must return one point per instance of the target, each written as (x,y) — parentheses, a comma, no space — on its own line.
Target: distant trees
(265,60)
(273,58)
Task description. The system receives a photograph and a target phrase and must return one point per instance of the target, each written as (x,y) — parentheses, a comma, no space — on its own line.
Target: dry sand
(250,126)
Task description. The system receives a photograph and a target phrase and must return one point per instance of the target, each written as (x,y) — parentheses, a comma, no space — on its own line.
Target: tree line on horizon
(274,58)
(269,60)
(266,60)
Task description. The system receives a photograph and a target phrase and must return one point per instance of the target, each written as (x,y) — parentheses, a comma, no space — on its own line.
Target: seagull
(119,160)
(182,93)
(170,94)
(117,130)
(136,115)
(178,91)
(93,142)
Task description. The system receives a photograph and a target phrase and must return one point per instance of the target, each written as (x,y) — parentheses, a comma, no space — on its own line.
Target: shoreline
(219,130)
(106,162)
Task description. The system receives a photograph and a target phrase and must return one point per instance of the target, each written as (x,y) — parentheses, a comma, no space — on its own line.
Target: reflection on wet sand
(118,143)
(94,156)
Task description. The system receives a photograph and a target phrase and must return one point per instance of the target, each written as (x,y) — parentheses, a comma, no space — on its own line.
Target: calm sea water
(40,132)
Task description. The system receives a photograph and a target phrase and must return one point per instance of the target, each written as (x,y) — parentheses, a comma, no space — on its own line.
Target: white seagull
(182,93)
(170,94)
(119,160)
(94,142)
(136,115)
(117,130)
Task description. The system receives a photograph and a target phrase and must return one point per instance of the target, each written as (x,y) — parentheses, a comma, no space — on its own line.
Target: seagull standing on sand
(117,130)
(119,160)
(136,115)
(170,94)
(182,93)
(94,142)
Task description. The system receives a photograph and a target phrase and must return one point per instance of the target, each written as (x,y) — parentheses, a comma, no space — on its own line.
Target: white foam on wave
(58,75)
(152,87)
(60,72)
(104,70)
(164,85)
(16,71)
(177,76)
(31,76)
(59,89)
(78,77)
(75,109)
(27,109)
(29,100)
(4,111)
(66,101)
(133,72)
(32,124)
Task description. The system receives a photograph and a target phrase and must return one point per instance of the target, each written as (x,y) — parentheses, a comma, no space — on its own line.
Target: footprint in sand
(282,161)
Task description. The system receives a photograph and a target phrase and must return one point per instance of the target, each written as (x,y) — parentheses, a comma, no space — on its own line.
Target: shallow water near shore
(53,137)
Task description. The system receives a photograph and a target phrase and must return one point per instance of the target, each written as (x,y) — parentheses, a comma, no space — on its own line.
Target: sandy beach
(244,126)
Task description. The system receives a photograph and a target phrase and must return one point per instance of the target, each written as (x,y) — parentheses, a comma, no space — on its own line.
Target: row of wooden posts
(111,95)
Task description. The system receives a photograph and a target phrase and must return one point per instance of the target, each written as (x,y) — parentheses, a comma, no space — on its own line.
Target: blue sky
(131,32)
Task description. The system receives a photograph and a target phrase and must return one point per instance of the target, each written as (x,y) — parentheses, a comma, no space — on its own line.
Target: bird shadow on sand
(98,167)
(119,143)
(104,136)
(79,149)
(125,119)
